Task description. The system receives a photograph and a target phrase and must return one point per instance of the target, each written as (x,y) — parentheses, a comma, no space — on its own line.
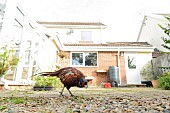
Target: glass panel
(2,11)
(19,14)
(27,57)
(24,72)
(10,74)
(90,59)
(29,36)
(86,35)
(77,58)
(17,32)
(131,62)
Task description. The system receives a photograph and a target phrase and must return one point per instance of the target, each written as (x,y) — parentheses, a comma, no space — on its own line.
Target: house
(37,46)
(150,31)
(84,44)
(33,44)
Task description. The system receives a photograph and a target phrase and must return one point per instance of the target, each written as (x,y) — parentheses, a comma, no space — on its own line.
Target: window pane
(27,57)
(10,74)
(17,32)
(77,58)
(86,35)
(19,14)
(24,72)
(90,59)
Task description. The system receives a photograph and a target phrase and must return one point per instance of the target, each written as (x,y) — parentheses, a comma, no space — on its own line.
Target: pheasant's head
(82,82)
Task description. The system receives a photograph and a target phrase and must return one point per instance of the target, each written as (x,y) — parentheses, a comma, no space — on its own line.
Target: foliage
(148,73)
(164,81)
(47,81)
(130,63)
(7,60)
(166,30)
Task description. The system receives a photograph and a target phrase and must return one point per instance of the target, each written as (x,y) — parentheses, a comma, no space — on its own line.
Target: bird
(69,77)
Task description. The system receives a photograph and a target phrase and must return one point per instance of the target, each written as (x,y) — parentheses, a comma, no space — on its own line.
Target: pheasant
(70,77)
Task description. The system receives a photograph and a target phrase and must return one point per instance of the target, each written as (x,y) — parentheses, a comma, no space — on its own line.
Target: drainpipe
(119,66)
(100,35)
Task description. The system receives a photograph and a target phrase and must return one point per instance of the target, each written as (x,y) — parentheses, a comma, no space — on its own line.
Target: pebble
(118,102)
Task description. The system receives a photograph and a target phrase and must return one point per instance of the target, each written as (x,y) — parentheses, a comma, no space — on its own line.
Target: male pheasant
(70,77)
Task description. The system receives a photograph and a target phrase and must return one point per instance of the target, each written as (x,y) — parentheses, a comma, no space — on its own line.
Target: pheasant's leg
(61,93)
(70,92)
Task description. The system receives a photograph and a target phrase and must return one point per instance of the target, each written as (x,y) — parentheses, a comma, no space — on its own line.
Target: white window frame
(83,59)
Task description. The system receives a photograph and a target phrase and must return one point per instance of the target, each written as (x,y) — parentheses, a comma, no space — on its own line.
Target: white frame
(83,59)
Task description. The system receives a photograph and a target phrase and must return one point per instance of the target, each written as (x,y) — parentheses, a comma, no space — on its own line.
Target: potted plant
(44,83)
(39,83)
(148,74)
(50,83)
(7,61)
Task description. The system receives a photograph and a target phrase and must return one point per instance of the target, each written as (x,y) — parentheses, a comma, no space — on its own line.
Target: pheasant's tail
(46,74)
(49,74)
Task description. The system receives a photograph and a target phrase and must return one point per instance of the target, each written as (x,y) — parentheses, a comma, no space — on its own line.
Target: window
(84,59)
(17,32)
(131,62)
(86,35)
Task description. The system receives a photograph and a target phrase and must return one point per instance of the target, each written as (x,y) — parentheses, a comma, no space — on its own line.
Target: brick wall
(105,60)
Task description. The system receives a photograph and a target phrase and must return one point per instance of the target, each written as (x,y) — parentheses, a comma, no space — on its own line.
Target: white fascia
(85,48)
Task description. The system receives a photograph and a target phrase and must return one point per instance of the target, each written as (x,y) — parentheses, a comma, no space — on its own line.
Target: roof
(109,46)
(112,44)
(71,24)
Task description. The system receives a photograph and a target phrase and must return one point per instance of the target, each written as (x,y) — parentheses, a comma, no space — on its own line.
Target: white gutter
(74,26)
(86,48)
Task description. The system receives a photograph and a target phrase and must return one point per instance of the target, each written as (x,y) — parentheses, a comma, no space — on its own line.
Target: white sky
(123,17)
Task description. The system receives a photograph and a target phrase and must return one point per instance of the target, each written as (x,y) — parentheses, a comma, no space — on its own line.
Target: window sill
(101,71)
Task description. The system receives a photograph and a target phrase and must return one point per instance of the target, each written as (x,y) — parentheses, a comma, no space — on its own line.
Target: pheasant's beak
(86,86)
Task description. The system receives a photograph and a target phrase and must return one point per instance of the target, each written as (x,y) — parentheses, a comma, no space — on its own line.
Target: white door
(132,71)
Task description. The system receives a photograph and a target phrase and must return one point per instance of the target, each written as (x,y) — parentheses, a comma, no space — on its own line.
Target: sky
(122,17)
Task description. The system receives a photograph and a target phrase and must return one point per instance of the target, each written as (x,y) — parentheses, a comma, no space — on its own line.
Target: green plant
(2,108)
(147,72)
(39,81)
(164,81)
(130,63)
(47,81)
(7,60)
(166,30)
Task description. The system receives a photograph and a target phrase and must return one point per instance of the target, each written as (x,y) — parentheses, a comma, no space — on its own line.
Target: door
(132,71)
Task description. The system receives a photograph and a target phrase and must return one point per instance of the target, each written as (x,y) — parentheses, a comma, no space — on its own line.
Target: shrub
(8,60)
(164,81)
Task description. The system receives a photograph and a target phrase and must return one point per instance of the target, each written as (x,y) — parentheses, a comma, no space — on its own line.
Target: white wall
(151,32)
(97,34)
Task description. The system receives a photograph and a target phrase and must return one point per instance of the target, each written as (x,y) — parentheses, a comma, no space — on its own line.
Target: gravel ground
(91,100)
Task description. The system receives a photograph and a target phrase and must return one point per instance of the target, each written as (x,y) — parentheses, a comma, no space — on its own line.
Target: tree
(166,30)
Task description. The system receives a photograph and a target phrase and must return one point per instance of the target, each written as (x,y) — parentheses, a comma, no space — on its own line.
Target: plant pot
(48,88)
(155,83)
(41,88)
(38,88)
